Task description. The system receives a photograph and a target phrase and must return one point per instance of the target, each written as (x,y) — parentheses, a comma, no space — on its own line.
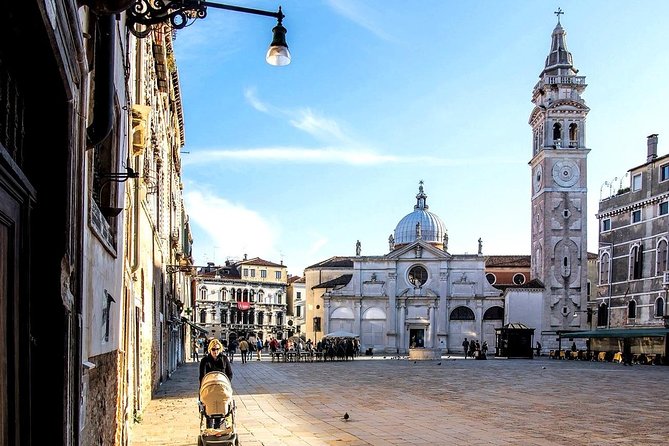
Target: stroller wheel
(200,442)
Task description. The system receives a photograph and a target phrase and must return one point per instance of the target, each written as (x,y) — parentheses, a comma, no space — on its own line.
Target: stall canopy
(341,334)
(195,326)
(617,333)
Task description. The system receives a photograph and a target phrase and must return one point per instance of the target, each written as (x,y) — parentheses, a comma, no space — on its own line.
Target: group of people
(474,349)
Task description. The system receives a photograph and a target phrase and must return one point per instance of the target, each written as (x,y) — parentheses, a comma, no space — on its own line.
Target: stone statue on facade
(357,248)
(480,246)
(445,240)
(391,242)
(419,232)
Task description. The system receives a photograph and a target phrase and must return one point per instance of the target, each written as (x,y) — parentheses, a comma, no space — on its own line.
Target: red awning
(243,306)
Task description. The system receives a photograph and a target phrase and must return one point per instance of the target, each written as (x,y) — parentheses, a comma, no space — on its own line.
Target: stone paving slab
(454,401)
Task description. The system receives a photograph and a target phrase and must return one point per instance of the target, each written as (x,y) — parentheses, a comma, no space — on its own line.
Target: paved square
(451,402)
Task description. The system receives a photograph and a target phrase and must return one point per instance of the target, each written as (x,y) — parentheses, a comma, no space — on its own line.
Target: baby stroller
(217,411)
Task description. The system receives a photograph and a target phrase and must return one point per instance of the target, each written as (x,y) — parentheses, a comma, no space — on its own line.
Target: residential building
(631,303)
(77,292)
(296,293)
(242,299)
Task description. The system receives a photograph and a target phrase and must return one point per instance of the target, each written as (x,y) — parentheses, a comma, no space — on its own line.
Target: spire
(421,198)
(559,61)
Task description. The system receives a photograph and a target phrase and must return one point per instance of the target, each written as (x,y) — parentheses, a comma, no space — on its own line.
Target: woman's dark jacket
(220,363)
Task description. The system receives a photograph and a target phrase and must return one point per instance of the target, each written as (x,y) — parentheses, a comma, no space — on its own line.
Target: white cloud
(322,128)
(233,229)
(252,98)
(355,156)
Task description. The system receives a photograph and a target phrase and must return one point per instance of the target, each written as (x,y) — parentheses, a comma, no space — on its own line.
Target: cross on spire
(558,13)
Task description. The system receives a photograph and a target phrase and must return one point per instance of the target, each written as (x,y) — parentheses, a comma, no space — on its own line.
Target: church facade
(416,295)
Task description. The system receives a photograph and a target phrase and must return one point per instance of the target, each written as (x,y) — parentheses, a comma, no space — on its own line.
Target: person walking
(194,353)
(215,360)
(232,349)
(465,347)
(259,346)
(243,349)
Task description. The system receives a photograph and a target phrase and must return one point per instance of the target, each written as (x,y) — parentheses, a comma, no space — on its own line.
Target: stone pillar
(402,330)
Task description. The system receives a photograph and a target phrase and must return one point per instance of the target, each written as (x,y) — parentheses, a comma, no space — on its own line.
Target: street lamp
(143,15)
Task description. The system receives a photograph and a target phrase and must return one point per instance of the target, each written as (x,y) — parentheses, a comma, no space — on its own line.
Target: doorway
(416,337)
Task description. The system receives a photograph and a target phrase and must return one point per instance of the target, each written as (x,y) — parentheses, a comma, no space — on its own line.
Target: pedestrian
(465,347)
(243,349)
(259,345)
(232,349)
(472,348)
(194,353)
(538,348)
(484,349)
(215,360)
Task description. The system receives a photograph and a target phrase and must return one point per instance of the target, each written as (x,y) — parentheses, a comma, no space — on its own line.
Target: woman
(215,360)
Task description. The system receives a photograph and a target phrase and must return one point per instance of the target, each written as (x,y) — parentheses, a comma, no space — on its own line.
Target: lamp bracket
(144,14)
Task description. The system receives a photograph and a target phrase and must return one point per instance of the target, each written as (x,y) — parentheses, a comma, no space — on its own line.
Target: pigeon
(414,362)
(439,363)
(346,416)
(543,367)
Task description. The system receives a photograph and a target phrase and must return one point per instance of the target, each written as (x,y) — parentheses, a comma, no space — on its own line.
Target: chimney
(652,147)
(245,257)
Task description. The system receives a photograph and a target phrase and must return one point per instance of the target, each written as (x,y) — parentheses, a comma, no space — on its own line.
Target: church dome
(420,223)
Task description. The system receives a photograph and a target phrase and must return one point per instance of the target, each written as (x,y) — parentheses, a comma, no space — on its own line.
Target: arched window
(659,307)
(203,293)
(602,315)
(604,268)
(261,296)
(203,316)
(239,295)
(224,294)
(635,263)
(462,314)
(573,135)
(557,134)
(245,296)
(631,310)
(493,313)
(661,257)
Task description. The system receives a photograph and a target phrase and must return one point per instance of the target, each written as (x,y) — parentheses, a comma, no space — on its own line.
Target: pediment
(569,104)
(418,249)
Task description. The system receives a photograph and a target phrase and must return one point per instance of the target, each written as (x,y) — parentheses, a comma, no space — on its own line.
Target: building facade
(296,293)
(418,295)
(70,296)
(559,192)
(242,299)
(631,305)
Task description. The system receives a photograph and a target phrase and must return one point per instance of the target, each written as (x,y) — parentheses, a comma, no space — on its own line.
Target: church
(416,295)
(419,294)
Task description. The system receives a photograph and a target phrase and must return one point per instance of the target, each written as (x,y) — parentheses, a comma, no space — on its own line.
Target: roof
(514,326)
(592,256)
(341,280)
(515,261)
(296,279)
(220,272)
(260,262)
(334,262)
(534,283)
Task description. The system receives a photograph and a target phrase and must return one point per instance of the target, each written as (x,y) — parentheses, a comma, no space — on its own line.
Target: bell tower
(559,191)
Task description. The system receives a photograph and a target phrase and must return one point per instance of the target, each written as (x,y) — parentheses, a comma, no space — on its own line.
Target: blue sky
(296,163)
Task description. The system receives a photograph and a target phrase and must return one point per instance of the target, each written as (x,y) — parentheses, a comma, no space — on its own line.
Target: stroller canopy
(216,393)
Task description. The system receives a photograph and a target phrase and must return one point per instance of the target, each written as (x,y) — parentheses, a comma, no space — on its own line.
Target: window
(636,182)
(604,269)
(278,275)
(664,208)
(253,273)
(246,272)
(635,262)
(636,216)
(203,294)
(606,224)
(661,265)
(317,324)
(263,273)
(659,307)
(298,295)
(417,276)
(557,135)
(493,313)
(603,315)
(664,172)
(298,311)
(491,278)
(462,314)
(203,316)
(631,310)
(518,279)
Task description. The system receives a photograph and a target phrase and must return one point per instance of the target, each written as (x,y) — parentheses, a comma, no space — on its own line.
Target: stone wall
(101,408)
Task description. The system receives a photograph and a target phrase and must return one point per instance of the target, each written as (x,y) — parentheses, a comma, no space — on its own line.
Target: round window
(519,279)
(417,276)
(491,278)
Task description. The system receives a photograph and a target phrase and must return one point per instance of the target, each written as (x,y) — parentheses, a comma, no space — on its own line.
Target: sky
(294,164)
